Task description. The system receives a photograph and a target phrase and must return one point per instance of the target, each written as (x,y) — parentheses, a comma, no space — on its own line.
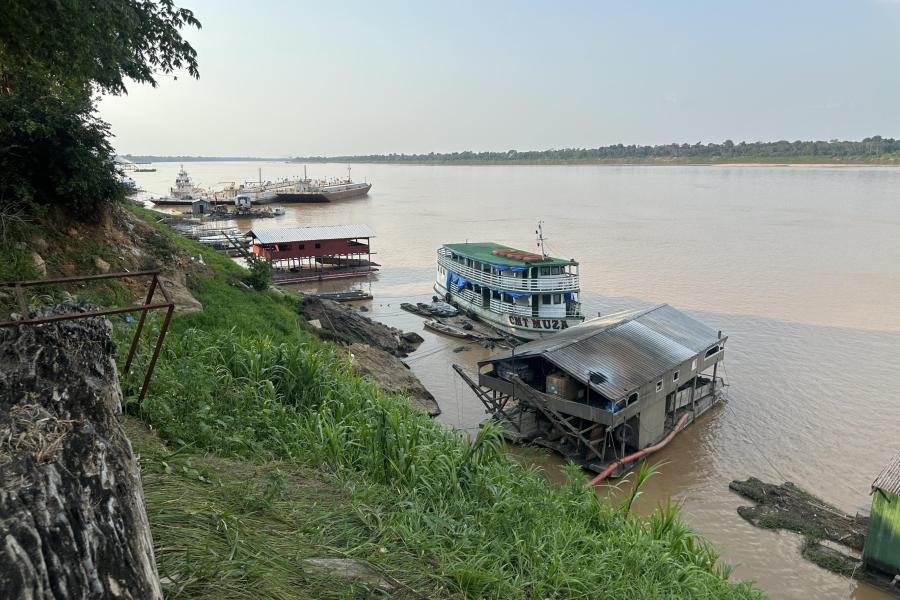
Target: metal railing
(544,284)
(148,305)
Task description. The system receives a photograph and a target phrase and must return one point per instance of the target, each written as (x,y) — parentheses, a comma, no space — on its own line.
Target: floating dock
(608,391)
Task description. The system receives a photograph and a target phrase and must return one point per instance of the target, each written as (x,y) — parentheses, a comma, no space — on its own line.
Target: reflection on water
(798,266)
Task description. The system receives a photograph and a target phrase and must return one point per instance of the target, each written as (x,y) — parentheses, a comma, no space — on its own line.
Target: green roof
(483,251)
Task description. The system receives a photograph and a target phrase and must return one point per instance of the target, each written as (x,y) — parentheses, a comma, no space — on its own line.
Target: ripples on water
(799,267)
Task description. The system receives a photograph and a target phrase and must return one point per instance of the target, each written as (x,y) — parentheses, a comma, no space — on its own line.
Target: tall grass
(480,522)
(494,528)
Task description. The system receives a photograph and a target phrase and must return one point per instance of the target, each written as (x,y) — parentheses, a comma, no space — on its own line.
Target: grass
(270,450)
(244,382)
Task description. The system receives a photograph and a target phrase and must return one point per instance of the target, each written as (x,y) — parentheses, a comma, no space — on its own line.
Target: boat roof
(483,251)
(629,348)
(280,235)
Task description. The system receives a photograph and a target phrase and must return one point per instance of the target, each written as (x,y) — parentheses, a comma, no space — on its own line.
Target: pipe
(640,453)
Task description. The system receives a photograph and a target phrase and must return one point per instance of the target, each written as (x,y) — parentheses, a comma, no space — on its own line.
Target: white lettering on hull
(540,324)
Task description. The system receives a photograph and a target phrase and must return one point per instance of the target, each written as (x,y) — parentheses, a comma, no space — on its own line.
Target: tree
(54,57)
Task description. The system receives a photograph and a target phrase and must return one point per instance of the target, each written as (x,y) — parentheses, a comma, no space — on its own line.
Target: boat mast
(539,232)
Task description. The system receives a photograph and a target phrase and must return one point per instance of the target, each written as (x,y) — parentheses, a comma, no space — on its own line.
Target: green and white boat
(524,294)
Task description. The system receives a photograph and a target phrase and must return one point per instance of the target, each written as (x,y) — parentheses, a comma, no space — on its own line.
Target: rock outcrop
(72,518)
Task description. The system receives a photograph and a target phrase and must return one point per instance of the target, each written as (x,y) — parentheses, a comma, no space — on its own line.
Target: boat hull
(351,193)
(524,328)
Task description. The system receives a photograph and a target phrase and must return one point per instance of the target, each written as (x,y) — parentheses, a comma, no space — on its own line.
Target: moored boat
(521,293)
(184,193)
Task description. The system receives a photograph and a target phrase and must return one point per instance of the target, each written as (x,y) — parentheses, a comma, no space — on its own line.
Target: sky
(291,78)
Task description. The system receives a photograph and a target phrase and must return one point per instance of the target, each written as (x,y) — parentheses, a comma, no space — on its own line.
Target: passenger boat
(524,294)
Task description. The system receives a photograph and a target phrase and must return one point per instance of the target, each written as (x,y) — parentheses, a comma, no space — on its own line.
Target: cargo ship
(523,294)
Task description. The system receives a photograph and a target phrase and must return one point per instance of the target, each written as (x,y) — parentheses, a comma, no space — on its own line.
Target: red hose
(636,455)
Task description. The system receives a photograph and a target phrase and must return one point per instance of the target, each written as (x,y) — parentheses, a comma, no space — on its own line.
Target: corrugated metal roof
(889,478)
(629,348)
(306,234)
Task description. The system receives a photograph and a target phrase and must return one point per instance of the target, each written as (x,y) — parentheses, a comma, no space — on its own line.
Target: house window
(632,399)
(545,299)
(318,245)
(693,364)
(711,351)
(659,385)
(675,376)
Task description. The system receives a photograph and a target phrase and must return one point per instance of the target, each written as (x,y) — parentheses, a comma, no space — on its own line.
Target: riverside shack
(603,390)
(882,546)
(322,252)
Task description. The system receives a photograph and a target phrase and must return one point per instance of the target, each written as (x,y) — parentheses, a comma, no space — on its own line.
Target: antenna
(539,232)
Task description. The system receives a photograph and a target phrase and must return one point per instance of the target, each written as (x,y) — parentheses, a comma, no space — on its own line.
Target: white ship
(521,293)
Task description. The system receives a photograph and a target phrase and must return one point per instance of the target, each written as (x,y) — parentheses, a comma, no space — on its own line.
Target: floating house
(610,387)
(200,207)
(312,253)
(882,546)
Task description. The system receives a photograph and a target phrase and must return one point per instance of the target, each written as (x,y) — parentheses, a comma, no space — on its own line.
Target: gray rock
(347,568)
(72,515)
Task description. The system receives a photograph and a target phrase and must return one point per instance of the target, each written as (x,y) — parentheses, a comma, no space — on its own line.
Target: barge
(607,391)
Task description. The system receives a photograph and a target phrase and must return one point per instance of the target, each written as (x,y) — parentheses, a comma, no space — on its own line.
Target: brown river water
(800,267)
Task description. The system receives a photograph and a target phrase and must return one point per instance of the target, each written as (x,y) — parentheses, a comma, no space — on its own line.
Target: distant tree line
(868,150)
(148,158)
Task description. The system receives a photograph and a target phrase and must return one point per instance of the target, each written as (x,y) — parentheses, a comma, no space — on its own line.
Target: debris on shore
(789,507)
(375,348)
(342,324)
(833,539)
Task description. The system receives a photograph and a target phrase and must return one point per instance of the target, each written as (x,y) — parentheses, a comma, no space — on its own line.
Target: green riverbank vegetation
(272,450)
(873,150)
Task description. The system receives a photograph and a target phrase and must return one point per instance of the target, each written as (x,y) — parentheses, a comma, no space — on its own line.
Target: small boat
(278,211)
(350,296)
(435,309)
(450,330)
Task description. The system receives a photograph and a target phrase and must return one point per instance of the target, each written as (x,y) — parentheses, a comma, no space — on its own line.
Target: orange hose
(636,455)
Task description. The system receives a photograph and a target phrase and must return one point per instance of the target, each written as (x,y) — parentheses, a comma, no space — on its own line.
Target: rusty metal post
(140,326)
(159,343)
(23,303)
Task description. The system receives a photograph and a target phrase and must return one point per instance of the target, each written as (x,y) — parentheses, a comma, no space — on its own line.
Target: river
(800,267)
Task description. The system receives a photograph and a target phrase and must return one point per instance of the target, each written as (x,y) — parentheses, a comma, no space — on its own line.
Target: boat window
(631,399)
(545,270)
(659,385)
(318,245)
(545,298)
(675,376)
(693,364)
(557,298)
(711,351)
(554,270)
(303,246)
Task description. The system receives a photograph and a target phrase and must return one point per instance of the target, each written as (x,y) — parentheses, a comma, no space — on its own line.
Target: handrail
(547,284)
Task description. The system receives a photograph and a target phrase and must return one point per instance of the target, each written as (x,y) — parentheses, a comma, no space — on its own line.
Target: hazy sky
(297,78)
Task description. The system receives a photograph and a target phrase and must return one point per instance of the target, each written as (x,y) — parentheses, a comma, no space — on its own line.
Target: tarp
(506,268)
(516,294)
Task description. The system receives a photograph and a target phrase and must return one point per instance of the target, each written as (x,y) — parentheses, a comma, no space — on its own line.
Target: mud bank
(375,348)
